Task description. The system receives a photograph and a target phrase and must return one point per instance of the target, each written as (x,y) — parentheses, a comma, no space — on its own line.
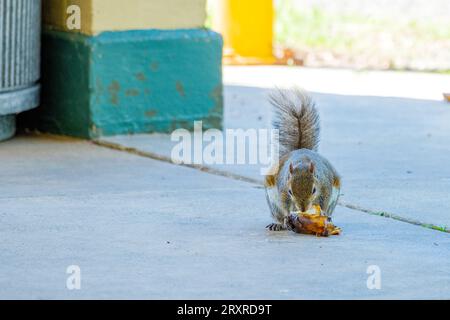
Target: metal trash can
(20,33)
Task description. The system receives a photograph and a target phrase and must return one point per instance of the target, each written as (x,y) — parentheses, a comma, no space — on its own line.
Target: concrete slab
(114,92)
(411,85)
(140,228)
(391,151)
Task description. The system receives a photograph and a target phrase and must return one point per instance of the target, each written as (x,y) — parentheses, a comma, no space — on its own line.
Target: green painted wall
(129,82)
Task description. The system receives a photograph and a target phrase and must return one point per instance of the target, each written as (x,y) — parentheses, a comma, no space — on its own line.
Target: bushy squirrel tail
(296,118)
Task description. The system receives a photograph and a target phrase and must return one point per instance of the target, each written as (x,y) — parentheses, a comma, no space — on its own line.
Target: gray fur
(297,120)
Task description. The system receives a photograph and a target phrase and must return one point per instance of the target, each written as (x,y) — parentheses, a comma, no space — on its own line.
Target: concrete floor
(392,151)
(140,228)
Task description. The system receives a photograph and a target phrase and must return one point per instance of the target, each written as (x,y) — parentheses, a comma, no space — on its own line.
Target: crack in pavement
(155,156)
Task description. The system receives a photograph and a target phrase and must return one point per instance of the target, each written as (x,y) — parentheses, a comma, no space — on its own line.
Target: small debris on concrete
(447,96)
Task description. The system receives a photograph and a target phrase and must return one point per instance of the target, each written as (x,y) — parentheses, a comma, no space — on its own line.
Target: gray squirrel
(302,178)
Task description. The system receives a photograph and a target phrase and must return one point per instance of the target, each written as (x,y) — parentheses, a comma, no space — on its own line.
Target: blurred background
(360,34)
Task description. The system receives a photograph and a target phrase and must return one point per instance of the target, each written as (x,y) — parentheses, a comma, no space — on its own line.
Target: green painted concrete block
(129,82)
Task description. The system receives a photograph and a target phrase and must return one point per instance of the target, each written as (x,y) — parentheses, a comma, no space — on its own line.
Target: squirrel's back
(297,120)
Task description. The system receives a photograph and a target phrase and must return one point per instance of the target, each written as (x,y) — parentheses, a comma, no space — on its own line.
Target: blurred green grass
(316,27)
(336,39)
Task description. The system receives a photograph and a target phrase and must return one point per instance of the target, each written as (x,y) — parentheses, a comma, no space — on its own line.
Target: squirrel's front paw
(276,227)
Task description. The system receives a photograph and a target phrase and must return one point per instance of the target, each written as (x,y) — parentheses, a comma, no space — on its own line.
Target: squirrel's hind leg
(277,213)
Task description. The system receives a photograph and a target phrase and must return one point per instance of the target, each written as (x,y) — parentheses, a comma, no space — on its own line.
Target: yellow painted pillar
(247,30)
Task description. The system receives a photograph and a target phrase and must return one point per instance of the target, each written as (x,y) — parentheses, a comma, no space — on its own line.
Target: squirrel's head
(303,185)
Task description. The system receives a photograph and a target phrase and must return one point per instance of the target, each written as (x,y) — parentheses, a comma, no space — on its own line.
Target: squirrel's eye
(290,192)
(314,190)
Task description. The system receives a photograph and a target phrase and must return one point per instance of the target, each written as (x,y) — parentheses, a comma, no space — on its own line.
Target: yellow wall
(115,15)
(247,29)
(54,13)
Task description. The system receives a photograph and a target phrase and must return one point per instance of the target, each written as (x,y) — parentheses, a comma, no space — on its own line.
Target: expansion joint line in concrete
(258,182)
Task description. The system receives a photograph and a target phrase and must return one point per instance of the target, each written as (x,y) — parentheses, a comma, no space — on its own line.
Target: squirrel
(302,178)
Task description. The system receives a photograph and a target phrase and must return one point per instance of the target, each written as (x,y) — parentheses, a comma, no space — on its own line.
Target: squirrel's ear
(291,168)
(312,167)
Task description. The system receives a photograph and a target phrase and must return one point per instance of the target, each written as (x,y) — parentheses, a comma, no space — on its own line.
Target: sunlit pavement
(386,132)
(141,228)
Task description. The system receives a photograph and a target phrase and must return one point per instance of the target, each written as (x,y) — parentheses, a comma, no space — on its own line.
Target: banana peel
(313,223)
